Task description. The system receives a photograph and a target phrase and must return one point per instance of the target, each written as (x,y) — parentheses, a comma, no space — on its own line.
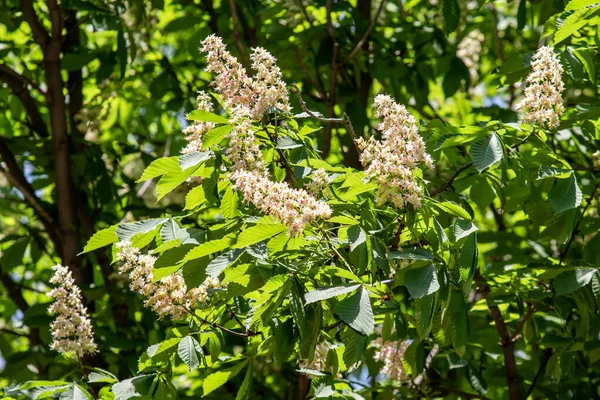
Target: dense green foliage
(489,290)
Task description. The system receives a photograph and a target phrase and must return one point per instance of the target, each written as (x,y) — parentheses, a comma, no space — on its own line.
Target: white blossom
(392,161)
(543,102)
(72,331)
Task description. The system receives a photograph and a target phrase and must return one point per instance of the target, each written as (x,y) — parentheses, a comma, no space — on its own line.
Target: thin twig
(451,180)
(362,40)
(236,34)
(345,120)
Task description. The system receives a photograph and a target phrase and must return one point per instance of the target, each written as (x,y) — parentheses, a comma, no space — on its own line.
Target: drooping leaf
(244,390)
(258,233)
(190,351)
(572,280)
(486,152)
(422,281)
(218,264)
(215,136)
(327,293)
(160,167)
(192,159)
(416,253)
(565,195)
(462,228)
(357,312)
(356,236)
(137,386)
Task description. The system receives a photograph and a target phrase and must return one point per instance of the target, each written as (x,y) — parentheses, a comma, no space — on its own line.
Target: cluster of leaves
(502,250)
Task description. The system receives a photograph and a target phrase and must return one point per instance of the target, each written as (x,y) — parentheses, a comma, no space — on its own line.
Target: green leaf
(451,12)
(286,142)
(421,282)
(229,203)
(297,306)
(326,293)
(565,195)
(573,23)
(552,172)
(215,136)
(172,180)
(586,56)
(218,264)
(205,116)
(207,248)
(194,198)
(451,208)
(572,280)
(13,255)
(192,159)
(357,312)
(101,238)
(414,254)
(127,231)
(188,350)
(166,346)
(258,233)
(244,391)
(219,378)
(462,229)
(424,308)
(486,152)
(75,392)
(356,236)
(160,167)
(138,386)
(101,376)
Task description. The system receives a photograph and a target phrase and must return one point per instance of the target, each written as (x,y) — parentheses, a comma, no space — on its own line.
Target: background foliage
(92,94)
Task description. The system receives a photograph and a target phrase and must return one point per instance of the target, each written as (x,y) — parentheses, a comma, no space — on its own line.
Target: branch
(541,371)
(16,177)
(519,328)
(18,83)
(506,341)
(236,33)
(224,329)
(345,120)
(214,26)
(451,180)
(362,40)
(37,29)
(55,18)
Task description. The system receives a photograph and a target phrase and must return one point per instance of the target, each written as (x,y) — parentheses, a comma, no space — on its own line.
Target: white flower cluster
(469,51)
(319,180)
(596,159)
(391,162)
(242,94)
(293,207)
(391,353)
(166,297)
(72,331)
(196,130)
(246,100)
(543,94)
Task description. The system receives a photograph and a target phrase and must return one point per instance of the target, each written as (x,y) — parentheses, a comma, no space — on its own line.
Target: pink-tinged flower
(242,149)
(268,86)
(295,208)
(72,331)
(319,180)
(543,91)
(392,161)
(231,79)
(391,353)
(196,130)
(167,297)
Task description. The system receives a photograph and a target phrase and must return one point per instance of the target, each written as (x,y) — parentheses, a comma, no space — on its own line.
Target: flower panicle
(543,103)
(168,296)
(391,162)
(72,331)
(295,208)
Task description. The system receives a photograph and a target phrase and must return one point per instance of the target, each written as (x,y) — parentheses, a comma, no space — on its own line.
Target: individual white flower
(543,101)
(72,331)
(392,161)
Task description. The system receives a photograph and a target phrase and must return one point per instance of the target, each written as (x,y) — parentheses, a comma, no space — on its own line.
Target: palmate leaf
(422,281)
(160,167)
(215,136)
(486,152)
(258,233)
(565,194)
(357,312)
